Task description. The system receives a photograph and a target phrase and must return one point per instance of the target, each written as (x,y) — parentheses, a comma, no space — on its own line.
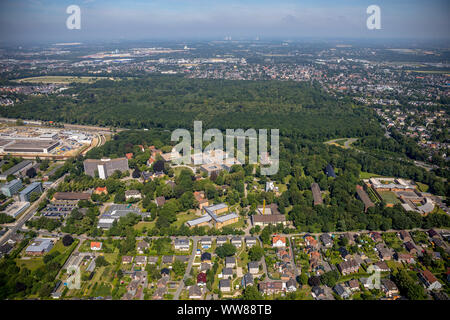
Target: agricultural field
(60,79)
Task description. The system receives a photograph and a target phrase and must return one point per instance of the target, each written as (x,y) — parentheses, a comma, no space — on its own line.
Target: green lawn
(422,186)
(368,175)
(389,197)
(184,217)
(141,224)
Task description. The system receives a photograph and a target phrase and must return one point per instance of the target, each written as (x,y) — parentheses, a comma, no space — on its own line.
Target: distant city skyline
(23,21)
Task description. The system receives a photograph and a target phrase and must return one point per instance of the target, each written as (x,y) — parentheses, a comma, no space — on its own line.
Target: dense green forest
(175,102)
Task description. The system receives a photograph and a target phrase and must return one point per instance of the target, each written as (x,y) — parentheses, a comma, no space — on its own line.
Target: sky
(45,20)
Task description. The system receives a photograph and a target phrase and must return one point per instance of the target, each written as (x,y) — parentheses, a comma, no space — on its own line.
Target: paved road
(188,269)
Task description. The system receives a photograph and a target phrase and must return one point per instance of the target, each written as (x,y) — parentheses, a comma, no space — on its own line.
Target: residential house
(230,262)
(201,199)
(376,236)
(253,267)
(167,259)
(389,287)
(225,285)
(227,273)
(310,241)
(165,272)
(326,240)
(278,241)
(318,293)
(181,244)
(348,267)
(152,260)
(353,285)
(206,257)
(271,287)
(221,240)
(432,233)
(411,248)
(291,285)
(247,280)
(160,201)
(405,236)
(132,194)
(127,259)
(206,242)
(195,292)
(342,291)
(140,260)
(96,246)
(384,252)
(142,246)
(344,253)
(201,279)
(404,257)
(430,281)
(381,266)
(236,241)
(250,241)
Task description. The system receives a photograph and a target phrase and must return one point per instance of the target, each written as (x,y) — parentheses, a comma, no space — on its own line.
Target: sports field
(389,197)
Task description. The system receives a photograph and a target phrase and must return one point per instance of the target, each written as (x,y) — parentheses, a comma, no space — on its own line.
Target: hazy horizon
(44,21)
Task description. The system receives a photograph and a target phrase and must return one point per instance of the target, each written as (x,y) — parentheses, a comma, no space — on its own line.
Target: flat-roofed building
(265,220)
(12,187)
(16,208)
(71,196)
(19,168)
(30,146)
(35,187)
(105,167)
(115,212)
(39,246)
(211,168)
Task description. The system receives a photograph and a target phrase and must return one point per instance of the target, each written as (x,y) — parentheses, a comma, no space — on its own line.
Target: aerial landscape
(116,183)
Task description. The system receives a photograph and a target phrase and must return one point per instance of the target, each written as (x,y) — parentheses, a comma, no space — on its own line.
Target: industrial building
(29,146)
(105,167)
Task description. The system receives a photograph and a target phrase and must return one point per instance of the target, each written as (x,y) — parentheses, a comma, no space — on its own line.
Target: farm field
(60,79)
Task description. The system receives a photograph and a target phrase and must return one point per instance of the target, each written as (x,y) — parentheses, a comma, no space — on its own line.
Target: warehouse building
(30,146)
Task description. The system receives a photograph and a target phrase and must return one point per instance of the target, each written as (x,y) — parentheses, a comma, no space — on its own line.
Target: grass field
(422,186)
(368,175)
(148,224)
(389,197)
(60,79)
(183,217)
(431,71)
